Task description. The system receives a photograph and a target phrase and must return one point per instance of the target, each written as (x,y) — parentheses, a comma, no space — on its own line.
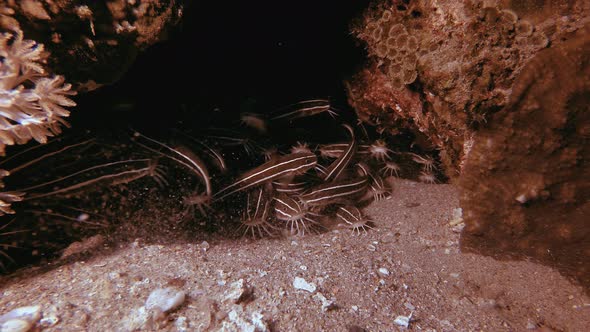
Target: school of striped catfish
(263,189)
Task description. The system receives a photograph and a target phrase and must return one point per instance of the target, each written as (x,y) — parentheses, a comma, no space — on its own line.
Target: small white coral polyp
(31,104)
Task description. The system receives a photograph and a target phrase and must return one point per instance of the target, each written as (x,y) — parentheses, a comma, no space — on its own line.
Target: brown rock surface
(458,61)
(526,183)
(92,42)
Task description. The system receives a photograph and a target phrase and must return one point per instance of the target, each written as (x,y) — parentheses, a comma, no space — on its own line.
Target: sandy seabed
(409,264)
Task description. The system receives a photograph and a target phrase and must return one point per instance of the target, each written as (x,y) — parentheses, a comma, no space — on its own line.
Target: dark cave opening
(251,57)
(220,62)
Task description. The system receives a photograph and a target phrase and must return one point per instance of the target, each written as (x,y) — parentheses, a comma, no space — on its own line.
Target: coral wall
(526,183)
(442,68)
(500,90)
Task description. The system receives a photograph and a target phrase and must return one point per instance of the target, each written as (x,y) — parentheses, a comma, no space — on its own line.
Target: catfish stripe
(332,150)
(304,108)
(107,180)
(287,209)
(329,192)
(347,216)
(188,159)
(336,168)
(291,164)
(282,187)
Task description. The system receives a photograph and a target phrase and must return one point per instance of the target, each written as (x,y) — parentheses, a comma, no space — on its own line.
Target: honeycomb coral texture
(389,40)
(31,103)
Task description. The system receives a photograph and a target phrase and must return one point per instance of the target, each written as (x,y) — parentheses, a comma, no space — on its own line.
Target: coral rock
(458,60)
(525,183)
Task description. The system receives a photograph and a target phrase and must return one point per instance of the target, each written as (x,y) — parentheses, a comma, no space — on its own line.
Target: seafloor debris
(524,189)
(300,283)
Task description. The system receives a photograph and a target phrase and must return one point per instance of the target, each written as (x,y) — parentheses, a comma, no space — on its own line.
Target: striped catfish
(379,188)
(336,192)
(353,218)
(279,167)
(212,153)
(294,213)
(339,165)
(256,216)
(303,109)
(181,155)
(110,174)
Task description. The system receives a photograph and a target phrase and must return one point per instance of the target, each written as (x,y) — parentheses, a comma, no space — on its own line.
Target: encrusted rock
(522,189)
(438,70)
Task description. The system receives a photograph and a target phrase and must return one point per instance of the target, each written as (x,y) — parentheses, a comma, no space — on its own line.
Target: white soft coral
(31,104)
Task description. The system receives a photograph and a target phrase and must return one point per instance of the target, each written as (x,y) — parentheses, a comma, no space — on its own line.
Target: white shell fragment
(326,304)
(20,319)
(457,217)
(238,320)
(16,325)
(238,291)
(165,299)
(383,271)
(300,283)
(403,321)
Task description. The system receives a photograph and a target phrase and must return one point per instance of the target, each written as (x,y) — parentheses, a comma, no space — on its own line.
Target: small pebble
(16,325)
(135,320)
(238,291)
(181,324)
(403,320)
(238,320)
(355,308)
(165,299)
(457,217)
(48,321)
(383,271)
(20,319)
(326,304)
(303,267)
(204,246)
(300,283)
